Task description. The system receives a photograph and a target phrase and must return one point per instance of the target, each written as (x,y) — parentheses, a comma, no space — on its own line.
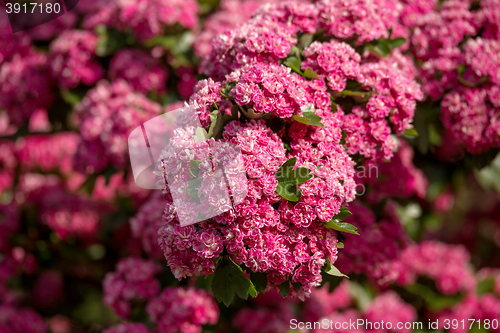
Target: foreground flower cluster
(281,110)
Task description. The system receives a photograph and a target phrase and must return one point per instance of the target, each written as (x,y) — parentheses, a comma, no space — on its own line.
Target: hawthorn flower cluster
(147,18)
(106,116)
(26,85)
(458,47)
(318,104)
(143,72)
(181,309)
(428,259)
(357,255)
(134,279)
(74,60)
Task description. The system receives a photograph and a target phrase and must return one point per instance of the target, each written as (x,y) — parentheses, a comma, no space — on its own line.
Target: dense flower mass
(428,259)
(134,279)
(146,223)
(106,116)
(397,178)
(252,232)
(182,310)
(357,255)
(65,213)
(48,152)
(288,109)
(472,115)
(25,86)
(146,18)
(457,46)
(74,62)
(231,14)
(143,72)
(270,313)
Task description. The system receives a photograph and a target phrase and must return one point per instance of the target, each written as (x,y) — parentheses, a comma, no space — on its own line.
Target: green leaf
(285,288)
(485,286)
(251,114)
(296,285)
(89,184)
(216,126)
(380,49)
(259,280)
(411,132)
(308,116)
(340,245)
(396,42)
(72,97)
(195,163)
(110,41)
(361,93)
(294,63)
(335,271)
(228,279)
(342,227)
(342,215)
(225,91)
(288,177)
(195,168)
(305,40)
(200,135)
(434,300)
(193,186)
(310,73)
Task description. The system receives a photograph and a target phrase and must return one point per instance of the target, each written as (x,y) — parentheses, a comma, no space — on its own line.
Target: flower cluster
(358,255)
(13,317)
(47,152)
(287,109)
(231,14)
(398,178)
(472,115)
(182,310)
(73,59)
(25,86)
(106,116)
(134,279)
(457,47)
(143,72)
(361,20)
(12,44)
(20,320)
(146,223)
(146,18)
(390,308)
(447,265)
(65,213)
(252,232)
(51,29)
